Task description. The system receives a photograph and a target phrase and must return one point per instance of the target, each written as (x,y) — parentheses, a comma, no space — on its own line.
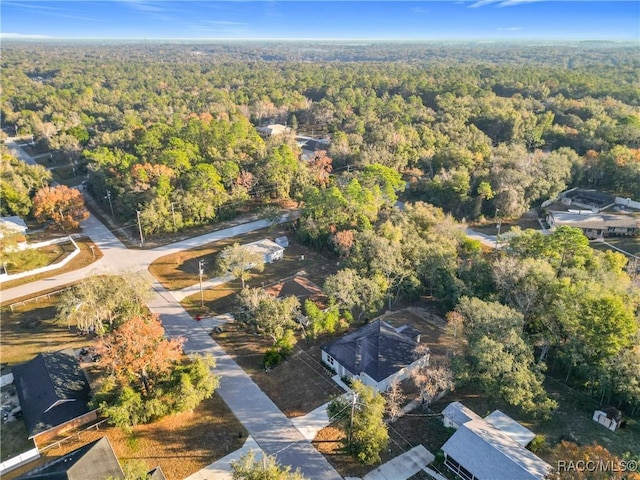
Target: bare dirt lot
(297,386)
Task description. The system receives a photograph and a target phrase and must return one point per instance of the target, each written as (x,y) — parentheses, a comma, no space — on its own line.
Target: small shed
(608,417)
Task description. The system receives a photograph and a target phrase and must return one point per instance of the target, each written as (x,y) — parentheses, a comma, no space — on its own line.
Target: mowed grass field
(31,328)
(89,253)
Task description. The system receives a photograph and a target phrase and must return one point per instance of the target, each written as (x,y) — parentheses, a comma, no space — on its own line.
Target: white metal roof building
(508,425)
(13,223)
(456,414)
(490,448)
(270,250)
(479,451)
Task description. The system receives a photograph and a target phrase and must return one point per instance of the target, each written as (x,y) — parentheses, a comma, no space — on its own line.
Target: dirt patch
(181,444)
(31,329)
(431,326)
(300,384)
(328,441)
(297,386)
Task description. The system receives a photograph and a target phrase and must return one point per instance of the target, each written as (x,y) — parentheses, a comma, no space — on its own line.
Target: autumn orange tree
(61,205)
(147,376)
(591,462)
(139,350)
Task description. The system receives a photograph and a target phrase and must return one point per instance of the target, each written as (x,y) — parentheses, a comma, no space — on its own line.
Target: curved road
(272,430)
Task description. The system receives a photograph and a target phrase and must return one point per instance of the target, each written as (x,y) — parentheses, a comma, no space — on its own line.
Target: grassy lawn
(180,270)
(628,244)
(84,258)
(181,444)
(220,300)
(31,329)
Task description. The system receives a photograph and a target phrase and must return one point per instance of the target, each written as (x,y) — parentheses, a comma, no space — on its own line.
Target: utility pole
(200,273)
(173,214)
(498,224)
(353,411)
(110,204)
(140,228)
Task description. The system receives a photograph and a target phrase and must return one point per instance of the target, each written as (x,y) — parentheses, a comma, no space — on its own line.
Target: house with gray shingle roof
(376,354)
(93,461)
(53,393)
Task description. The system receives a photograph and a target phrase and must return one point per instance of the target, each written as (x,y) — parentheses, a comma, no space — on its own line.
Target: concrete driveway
(403,466)
(221,470)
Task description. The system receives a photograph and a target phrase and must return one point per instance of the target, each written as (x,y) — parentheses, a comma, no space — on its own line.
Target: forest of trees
(169,129)
(461,131)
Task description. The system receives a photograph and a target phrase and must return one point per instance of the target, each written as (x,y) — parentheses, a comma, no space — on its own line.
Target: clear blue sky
(392,20)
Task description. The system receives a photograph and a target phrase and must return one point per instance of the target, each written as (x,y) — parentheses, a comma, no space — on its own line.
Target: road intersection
(274,433)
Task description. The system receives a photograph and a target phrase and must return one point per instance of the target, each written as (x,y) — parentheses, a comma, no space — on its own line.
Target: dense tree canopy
(479,128)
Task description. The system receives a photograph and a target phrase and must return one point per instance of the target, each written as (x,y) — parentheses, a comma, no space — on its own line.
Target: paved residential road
(271,429)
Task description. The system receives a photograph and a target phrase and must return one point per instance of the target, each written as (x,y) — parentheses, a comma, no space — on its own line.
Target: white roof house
(274,129)
(270,250)
(508,425)
(490,448)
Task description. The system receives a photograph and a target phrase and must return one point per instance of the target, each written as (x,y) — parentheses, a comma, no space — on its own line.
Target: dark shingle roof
(52,390)
(377,349)
(93,461)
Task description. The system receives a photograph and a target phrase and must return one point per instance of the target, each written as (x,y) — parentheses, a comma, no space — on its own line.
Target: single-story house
(491,448)
(376,354)
(13,223)
(273,129)
(269,249)
(282,241)
(53,393)
(596,225)
(93,461)
(310,146)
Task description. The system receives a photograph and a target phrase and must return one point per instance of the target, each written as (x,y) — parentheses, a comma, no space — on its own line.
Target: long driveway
(272,430)
(274,433)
